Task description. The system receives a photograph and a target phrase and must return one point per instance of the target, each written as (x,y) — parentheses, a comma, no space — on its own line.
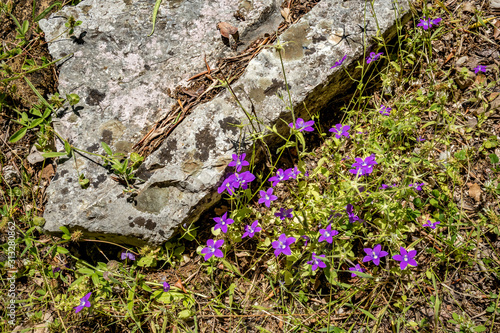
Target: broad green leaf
(18,135)
(106,148)
(62,250)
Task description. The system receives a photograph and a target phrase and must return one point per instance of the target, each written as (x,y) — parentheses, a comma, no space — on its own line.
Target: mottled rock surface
(122,77)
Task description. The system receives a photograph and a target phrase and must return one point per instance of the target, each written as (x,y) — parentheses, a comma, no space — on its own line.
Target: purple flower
(338,63)
(56,269)
(306,239)
(431,225)
(241,179)
(406,258)
(383,187)
(424,23)
(284,213)
(317,261)
(352,217)
(385,110)
(356,268)
(212,249)
(374,254)
(250,230)
(292,173)
(435,21)
(127,255)
(227,185)
(428,23)
(238,161)
(84,303)
(166,286)
(363,167)
(267,196)
(340,131)
(222,222)
(282,245)
(327,234)
(480,68)
(300,125)
(418,187)
(280,176)
(373,57)
(420,139)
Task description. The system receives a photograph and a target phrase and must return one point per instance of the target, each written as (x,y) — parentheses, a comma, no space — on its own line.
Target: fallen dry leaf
(285,12)
(474,191)
(179,285)
(496,31)
(226,29)
(48,172)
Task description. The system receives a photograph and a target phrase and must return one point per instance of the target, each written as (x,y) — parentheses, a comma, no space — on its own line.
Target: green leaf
(44,101)
(62,250)
(479,329)
(494,158)
(25,27)
(185,314)
(368,314)
(72,99)
(86,271)
(52,154)
(65,230)
(18,135)
(67,148)
(36,122)
(155,13)
(461,155)
(95,279)
(106,148)
(46,11)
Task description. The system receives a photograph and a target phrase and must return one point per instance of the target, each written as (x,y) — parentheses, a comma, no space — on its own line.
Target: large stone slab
(122,77)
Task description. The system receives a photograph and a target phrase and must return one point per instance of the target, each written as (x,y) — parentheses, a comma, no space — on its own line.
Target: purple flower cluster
(417,186)
(405,257)
(237,180)
(363,167)
(426,23)
(385,110)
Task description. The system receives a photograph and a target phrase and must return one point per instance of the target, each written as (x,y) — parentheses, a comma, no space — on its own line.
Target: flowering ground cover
(383,218)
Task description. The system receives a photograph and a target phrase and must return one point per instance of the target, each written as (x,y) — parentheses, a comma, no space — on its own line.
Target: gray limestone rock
(122,77)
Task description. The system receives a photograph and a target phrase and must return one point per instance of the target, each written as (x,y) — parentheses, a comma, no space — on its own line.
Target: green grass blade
(46,11)
(38,94)
(155,13)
